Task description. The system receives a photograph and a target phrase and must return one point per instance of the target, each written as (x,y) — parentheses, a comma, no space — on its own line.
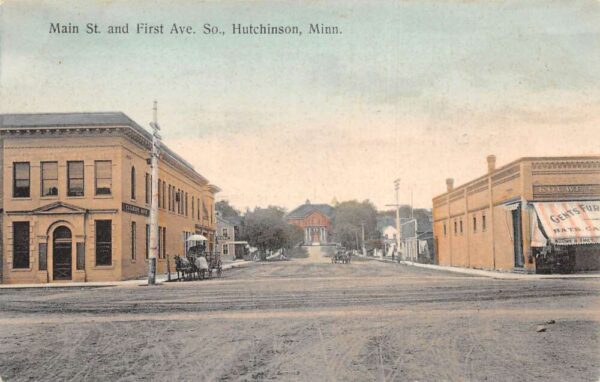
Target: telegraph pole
(153,255)
(364,252)
(397,188)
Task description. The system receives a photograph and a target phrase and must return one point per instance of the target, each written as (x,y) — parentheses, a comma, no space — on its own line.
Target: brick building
(315,220)
(532,215)
(76,194)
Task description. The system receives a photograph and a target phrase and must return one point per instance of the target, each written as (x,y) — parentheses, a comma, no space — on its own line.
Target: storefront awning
(567,223)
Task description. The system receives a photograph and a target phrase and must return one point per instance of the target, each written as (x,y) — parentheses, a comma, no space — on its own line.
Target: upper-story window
(160,193)
(103,177)
(148,183)
(474,223)
(49,178)
(21,182)
(193,210)
(225,233)
(75,183)
(483,223)
(133,183)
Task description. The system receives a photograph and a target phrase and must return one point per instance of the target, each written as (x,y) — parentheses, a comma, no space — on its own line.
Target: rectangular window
(225,233)
(225,249)
(75,183)
(474,223)
(49,172)
(160,204)
(148,188)
(170,198)
(133,241)
(20,245)
(444,229)
(159,241)
(21,184)
(103,242)
(483,223)
(133,182)
(186,204)
(164,243)
(455,227)
(163,194)
(461,227)
(193,213)
(147,241)
(103,177)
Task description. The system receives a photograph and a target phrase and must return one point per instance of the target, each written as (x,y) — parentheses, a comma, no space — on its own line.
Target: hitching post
(154,206)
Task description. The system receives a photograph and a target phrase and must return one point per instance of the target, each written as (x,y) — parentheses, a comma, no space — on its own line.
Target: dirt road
(306,321)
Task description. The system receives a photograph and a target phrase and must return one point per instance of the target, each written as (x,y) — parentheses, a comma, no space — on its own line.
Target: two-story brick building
(76,193)
(315,220)
(532,215)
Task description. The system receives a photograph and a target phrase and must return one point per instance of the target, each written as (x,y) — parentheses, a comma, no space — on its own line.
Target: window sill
(23,198)
(103,267)
(103,196)
(49,197)
(76,197)
(21,269)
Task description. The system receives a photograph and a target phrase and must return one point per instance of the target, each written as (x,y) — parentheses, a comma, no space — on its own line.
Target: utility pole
(153,255)
(397,188)
(364,251)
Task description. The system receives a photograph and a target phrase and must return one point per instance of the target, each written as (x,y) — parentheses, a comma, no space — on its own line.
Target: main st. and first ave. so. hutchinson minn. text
(68,28)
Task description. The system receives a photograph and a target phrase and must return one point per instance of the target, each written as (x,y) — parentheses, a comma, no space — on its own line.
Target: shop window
(49,173)
(21,183)
(103,177)
(75,179)
(20,245)
(133,183)
(164,243)
(103,242)
(133,240)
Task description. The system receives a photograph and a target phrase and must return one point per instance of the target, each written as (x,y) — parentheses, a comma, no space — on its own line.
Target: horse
(184,266)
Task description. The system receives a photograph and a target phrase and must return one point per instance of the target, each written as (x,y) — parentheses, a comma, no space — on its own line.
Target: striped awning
(566,223)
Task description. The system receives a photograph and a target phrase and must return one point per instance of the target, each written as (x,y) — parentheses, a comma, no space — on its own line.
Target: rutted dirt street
(306,320)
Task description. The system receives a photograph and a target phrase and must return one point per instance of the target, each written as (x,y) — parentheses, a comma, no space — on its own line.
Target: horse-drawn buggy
(341,255)
(198,263)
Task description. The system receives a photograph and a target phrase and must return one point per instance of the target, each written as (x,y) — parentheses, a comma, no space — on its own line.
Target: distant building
(227,238)
(76,195)
(416,239)
(315,220)
(537,214)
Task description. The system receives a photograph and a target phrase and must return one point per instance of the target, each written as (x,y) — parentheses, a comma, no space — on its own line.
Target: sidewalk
(491,274)
(160,278)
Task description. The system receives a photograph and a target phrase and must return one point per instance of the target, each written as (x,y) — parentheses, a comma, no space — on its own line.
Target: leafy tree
(227,210)
(266,230)
(349,218)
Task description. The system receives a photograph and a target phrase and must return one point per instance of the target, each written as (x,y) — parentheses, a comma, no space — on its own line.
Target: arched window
(132,182)
(62,232)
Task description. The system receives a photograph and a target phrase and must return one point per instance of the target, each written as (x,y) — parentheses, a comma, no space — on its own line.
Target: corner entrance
(62,254)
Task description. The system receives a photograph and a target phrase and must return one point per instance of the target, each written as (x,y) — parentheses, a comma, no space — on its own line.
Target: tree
(266,230)
(227,210)
(349,218)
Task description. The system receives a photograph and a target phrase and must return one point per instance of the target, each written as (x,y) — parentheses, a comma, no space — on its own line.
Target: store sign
(569,223)
(565,191)
(130,208)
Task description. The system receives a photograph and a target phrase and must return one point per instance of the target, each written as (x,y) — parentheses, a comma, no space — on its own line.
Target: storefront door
(517,238)
(62,257)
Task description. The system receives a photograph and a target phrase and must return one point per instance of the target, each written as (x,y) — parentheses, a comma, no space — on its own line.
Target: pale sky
(418,90)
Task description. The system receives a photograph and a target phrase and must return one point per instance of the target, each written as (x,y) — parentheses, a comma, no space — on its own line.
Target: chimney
(491,161)
(450,184)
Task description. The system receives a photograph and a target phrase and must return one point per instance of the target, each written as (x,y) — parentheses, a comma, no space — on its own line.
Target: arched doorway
(62,254)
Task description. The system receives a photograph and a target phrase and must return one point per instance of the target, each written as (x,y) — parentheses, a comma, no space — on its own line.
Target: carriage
(341,256)
(198,263)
